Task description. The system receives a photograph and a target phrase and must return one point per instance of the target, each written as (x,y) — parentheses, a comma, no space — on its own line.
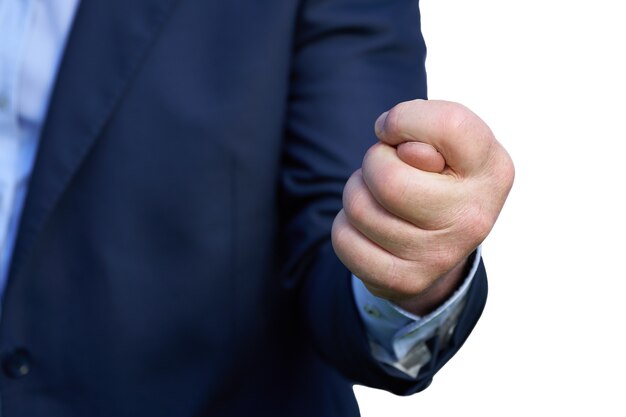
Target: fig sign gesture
(425,197)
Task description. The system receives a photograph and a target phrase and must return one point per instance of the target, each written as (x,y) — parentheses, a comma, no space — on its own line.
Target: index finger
(462,138)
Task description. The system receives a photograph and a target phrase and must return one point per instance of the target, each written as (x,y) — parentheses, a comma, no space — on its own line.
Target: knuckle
(462,123)
(457,117)
(392,186)
(338,234)
(482,227)
(507,171)
(394,120)
(388,182)
(479,231)
(372,154)
(478,224)
(355,206)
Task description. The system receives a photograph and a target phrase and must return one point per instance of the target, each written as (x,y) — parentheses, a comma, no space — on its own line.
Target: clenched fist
(426,196)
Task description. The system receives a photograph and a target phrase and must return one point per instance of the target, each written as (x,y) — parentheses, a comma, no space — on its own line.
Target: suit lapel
(105,48)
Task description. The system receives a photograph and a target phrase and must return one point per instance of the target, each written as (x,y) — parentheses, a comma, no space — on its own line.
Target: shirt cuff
(398,337)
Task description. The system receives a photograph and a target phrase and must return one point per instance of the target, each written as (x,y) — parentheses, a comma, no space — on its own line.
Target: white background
(549,77)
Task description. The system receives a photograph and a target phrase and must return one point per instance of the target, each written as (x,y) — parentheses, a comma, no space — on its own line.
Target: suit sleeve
(352,60)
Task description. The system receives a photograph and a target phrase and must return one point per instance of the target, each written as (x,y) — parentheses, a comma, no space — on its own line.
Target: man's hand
(426,196)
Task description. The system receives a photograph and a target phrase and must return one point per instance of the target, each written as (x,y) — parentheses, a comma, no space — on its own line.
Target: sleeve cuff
(398,337)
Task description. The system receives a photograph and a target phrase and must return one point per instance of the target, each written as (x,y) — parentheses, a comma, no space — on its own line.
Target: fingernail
(379,126)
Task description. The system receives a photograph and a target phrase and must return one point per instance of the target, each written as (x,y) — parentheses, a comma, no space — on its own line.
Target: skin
(425,197)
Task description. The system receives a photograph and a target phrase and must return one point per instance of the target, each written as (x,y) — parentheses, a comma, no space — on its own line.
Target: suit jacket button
(17,363)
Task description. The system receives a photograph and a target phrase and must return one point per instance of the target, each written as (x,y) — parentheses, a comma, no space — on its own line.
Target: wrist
(438,293)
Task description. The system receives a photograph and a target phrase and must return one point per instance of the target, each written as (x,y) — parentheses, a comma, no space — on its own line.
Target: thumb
(464,140)
(421,156)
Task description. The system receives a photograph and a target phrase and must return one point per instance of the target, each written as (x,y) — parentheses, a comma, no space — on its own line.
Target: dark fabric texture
(174,256)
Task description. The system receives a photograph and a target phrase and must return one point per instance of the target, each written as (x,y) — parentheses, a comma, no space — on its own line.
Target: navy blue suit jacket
(173,257)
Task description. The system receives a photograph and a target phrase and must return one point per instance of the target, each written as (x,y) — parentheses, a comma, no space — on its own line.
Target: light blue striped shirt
(31,43)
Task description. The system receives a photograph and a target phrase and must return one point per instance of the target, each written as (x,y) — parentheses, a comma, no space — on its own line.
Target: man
(170,244)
